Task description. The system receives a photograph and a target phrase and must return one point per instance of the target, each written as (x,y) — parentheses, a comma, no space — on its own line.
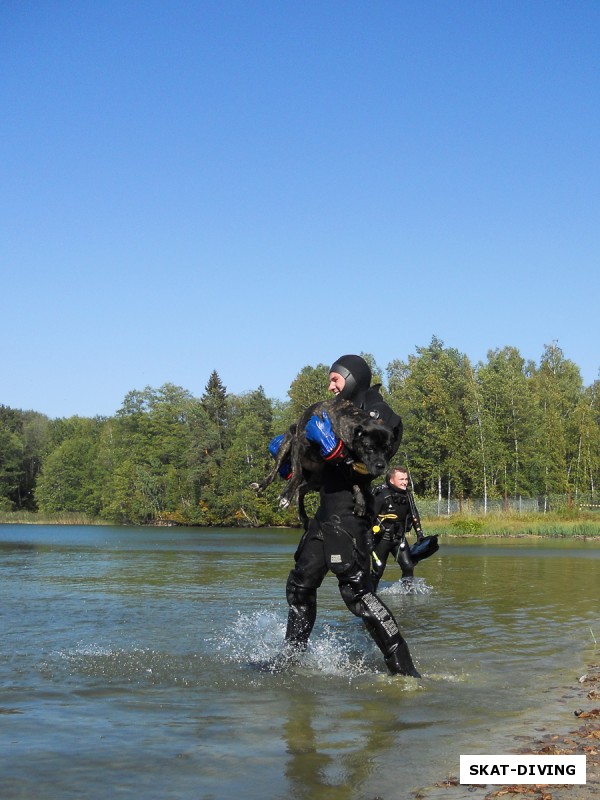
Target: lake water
(129,658)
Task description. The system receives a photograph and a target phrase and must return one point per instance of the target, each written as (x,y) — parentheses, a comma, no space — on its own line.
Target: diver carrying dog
(396,513)
(338,539)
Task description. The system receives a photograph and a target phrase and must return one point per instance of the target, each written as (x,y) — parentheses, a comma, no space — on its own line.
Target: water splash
(252,637)
(258,639)
(334,653)
(407,586)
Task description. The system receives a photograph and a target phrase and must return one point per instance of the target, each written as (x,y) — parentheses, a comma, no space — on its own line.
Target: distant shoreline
(581,525)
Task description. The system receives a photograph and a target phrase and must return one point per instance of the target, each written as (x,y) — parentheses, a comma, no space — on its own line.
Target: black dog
(369,441)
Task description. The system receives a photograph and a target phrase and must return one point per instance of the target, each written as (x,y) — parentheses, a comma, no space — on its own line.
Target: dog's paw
(284,502)
(360,508)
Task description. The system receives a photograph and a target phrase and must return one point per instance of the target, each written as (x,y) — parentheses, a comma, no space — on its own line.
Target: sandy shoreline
(582,738)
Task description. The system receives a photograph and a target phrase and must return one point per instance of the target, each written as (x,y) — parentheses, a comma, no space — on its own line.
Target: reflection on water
(129,662)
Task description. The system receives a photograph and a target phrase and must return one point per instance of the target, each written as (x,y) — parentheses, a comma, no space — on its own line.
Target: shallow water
(129,665)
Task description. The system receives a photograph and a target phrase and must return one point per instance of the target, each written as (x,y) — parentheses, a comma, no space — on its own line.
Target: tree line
(505,427)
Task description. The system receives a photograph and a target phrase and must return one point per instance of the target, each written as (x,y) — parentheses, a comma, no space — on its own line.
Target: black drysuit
(338,540)
(395,513)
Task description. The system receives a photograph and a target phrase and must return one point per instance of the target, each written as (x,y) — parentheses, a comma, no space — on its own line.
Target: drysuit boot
(400,662)
(302,612)
(301,620)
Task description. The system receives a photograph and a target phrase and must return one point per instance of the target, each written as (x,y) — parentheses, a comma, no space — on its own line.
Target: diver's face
(336,382)
(399,480)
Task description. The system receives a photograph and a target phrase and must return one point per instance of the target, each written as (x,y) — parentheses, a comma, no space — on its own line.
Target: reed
(557,524)
(34,518)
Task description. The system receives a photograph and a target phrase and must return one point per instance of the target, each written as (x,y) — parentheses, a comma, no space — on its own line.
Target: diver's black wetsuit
(396,513)
(339,541)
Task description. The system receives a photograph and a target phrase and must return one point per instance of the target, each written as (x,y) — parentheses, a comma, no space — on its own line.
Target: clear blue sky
(253,186)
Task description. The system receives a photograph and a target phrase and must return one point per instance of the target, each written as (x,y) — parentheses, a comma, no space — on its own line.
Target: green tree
(376,371)
(307,388)
(253,403)
(557,389)
(481,439)
(151,453)
(11,460)
(203,457)
(214,401)
(504,382)
(23,436)
(35,432)
(69,479)
(228,498)
(586,469)
(429,392)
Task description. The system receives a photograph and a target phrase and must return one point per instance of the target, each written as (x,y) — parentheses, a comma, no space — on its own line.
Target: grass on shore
(567,524)
(33,518)
(555,524)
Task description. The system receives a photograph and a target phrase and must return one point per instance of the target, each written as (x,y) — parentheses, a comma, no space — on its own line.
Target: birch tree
(429,392)
(558,388)
(507,399)
(586,469)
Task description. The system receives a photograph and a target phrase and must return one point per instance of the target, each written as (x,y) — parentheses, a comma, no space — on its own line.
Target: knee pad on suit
(353,588)
(300,596)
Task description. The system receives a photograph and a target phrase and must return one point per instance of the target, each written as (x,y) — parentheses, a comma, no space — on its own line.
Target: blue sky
(253,186)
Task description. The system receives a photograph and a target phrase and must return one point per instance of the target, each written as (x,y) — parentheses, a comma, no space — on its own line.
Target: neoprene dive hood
(357,374)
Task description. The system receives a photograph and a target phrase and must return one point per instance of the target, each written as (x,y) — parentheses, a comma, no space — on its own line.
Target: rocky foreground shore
(583,738)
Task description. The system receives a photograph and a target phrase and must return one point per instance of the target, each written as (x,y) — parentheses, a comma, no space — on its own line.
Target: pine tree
(214,401)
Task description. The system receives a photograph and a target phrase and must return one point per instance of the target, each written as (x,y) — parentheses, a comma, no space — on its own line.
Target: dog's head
(373,445)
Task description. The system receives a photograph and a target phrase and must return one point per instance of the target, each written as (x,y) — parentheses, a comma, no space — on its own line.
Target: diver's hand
(285,470)
(320,432)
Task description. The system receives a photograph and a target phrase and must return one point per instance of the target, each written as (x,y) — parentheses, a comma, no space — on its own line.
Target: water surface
(129,659)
